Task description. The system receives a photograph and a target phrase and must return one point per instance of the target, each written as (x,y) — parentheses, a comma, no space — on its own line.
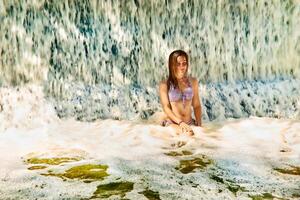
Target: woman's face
(181,67)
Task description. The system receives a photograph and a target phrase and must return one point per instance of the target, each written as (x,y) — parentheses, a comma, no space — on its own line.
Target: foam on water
(244,155)
(107,45)
(24,107)
(101,61)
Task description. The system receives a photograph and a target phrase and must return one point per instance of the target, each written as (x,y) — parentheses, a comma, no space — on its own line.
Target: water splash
(121,48)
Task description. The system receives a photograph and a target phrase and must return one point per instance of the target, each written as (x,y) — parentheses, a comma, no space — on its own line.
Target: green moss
(37,167)
(51,161)
(293,170)
(263,196)
(230,185)
(88,173)
(173,153)
(295,195)
(182,153)
(107,190)
(151,195)
(188,166)
(234,188)
(217,179)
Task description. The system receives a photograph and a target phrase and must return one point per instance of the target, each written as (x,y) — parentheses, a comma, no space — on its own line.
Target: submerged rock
(116,188)
(292,170)
(230,185)
(150,194)
(88,173)
(51,161)
(264,196)
(189,165)
(182,153)
(37,167)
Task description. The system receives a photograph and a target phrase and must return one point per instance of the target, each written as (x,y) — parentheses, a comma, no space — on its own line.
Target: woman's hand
(186,128)
(199,123)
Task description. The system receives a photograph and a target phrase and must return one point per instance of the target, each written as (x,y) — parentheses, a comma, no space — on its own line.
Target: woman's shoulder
(193,80)
(163,83)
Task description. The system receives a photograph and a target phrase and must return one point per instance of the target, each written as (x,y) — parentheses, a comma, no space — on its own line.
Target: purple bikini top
(176,95)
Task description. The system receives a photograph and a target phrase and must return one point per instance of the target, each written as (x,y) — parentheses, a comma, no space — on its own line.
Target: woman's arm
(196,103)
(164,100)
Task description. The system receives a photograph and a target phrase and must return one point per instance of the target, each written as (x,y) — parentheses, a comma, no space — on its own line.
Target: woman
(178,94)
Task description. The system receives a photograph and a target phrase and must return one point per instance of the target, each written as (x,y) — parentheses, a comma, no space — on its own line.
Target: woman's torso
(181,100)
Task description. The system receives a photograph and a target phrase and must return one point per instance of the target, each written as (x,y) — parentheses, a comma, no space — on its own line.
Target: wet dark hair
(172,67)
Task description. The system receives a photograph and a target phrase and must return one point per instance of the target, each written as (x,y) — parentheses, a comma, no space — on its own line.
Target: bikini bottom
(168,122)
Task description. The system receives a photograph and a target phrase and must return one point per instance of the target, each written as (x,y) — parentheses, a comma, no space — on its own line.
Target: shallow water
(51,158)
(104,59)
